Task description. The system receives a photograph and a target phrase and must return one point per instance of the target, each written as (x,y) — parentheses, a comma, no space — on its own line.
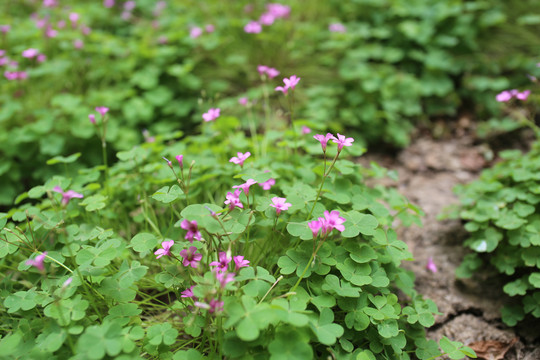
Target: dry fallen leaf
(492,349)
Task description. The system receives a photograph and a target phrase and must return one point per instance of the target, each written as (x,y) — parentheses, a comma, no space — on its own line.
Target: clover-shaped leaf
(291,344)
(325,329)
(94,202)
(144,242)
(167,194)
(358,223)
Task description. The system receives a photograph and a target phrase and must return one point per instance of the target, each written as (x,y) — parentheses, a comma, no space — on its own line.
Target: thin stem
(326,174)
(273,286)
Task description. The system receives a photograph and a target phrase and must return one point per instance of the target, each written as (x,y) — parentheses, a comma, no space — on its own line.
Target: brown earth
(469,309)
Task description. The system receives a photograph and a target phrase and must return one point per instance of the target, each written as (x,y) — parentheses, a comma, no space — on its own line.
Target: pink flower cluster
(326,224)
(192,230)
(223,277)
(280,204)
(15,75)
(268,71)
(50,32)
(211,115)
(337,27)
(273,12)
(67,195)
(196,31)
(341,140)
(290,83)
(507,95)
(102,110)
(240,158)
(37,261)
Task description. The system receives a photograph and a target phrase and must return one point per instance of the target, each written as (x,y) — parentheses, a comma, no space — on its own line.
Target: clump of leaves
(501,213)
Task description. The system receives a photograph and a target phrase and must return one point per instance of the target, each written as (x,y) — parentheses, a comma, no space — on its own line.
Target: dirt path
(428,171)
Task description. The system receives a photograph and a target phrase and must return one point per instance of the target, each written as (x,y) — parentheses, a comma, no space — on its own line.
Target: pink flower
(61,24)
(213,306)
(41,58)
(102,110)
(267,185)
(188,293)
(315,226)
(523,95)
(243,101)
(305,130)
(180,159)
(108,3)
(22,75)
(503,96)
(11,75)
(166,251)
(262,69)
(253,27)
(342,141)
(233,199)
(78,44)
(240,159)
(245,186)
(324,139)
(50,3)
(50,32)
(92,118)
(67,282)
(291,82)
(68,195)
(280,204)
(224,278)
(430,266)
(169,162)
(216,306)
(192,230)
(337,27)
(272,73)
(211,115)
(240,262)
(30,53)
(331,221)
(267,19)
(37,261)
(86,30)
(73,17)
(4,28)
(129,5)
(194,33)
(209,28)
(223,262)
(191,258)
(278,10)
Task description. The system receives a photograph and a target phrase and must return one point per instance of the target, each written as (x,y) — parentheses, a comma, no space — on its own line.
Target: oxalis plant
(501,213)
(218,254)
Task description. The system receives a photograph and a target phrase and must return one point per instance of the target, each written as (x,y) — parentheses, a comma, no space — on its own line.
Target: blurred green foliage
(398,62)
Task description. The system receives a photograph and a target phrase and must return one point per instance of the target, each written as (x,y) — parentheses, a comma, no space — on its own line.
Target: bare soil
(469,309)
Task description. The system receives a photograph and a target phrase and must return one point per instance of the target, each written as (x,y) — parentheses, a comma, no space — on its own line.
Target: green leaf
(94,202)
(358,223)
(291,344)
(388,328)
(144,242)
(161,333)
(167,195)
(534,279)
(63,160)
(129,274)
(300,230)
